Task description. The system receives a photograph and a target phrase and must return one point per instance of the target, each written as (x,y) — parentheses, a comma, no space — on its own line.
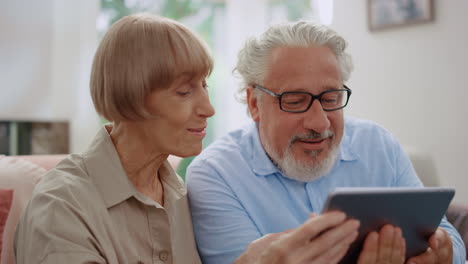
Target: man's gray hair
(252,59)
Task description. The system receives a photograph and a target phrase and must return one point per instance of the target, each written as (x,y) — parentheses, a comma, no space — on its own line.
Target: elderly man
(269,176)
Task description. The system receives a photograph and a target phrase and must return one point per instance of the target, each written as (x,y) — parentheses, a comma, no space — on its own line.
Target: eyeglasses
(299,102)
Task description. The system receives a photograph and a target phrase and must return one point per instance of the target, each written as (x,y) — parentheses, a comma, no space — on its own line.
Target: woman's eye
(183,93)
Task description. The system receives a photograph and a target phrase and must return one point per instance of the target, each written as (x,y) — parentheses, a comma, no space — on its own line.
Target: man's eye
(293,102)
(330,100)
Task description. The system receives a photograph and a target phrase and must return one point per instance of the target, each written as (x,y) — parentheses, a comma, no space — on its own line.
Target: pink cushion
(21,176)
(6,198)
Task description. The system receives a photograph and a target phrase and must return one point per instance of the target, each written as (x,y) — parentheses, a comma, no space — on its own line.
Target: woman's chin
(186,153)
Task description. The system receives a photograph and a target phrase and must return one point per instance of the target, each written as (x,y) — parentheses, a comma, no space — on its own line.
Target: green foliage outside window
(199,13)
(295,9)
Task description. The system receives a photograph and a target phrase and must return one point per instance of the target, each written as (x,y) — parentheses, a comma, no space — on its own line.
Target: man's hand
(440,250)
(388,246)
(321,239)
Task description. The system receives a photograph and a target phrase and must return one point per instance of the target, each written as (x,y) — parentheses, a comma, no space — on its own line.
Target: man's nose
(316,118)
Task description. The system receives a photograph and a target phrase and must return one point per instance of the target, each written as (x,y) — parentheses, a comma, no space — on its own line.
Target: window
(224,25)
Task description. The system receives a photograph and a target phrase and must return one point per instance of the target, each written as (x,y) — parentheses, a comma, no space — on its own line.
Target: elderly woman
(120,201)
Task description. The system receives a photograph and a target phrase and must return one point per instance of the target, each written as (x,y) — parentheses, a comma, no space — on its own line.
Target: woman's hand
(388,246)
(321,239)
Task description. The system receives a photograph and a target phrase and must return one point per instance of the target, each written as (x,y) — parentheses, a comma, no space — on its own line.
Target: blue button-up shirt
(237,194)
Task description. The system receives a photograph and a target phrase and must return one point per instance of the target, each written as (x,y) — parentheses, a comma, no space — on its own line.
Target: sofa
(19,174)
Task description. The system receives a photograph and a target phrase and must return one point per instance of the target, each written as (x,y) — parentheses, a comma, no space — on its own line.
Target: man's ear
(252,103)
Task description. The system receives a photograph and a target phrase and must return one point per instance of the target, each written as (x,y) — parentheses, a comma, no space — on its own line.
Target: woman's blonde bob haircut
(141,53)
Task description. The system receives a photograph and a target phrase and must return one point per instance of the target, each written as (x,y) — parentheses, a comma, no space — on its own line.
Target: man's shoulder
(364,129)
(230,146)
(365,138)
(356,123)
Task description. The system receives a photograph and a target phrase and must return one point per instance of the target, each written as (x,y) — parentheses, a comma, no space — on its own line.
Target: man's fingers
(440,250)
(441,244)
(344,234)
(309,248)
(370,249)
(439,239)
(291,242)
(386,237)
(315,225)
(325,252)
(427,257)
(435,239)
(315,237)
(399,247)
(334,255)
(387,246)
(338,256)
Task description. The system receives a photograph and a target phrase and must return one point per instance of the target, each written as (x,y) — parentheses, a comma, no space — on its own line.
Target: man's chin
(309,165)
(312,157)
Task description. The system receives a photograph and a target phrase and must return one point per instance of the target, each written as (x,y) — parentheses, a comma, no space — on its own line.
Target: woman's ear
(252,103)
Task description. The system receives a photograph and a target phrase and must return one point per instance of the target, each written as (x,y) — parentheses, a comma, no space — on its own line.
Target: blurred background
(410,62)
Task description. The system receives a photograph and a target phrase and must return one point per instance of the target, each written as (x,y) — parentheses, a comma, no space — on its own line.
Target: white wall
(74,44)
(46,50)
(24,73)
(230,114)
(412,81)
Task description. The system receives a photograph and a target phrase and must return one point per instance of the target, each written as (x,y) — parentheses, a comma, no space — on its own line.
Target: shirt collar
(262,165)
(171,183)
(346,149)
(104,167)
(259,161)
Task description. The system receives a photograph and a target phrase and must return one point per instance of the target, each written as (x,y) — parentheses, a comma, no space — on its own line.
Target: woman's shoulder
(62,214)
(68,183)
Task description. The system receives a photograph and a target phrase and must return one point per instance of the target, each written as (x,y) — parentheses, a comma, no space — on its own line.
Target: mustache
(312,135)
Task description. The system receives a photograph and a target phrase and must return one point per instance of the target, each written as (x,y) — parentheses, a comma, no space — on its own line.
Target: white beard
(301,170)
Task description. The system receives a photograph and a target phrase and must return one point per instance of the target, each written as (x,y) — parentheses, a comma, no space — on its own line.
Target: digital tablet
(417,211)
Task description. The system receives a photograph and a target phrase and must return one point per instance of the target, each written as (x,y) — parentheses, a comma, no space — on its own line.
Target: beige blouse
(87,211)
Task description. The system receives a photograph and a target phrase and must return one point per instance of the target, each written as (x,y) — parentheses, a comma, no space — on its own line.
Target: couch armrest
(457,215)
(20,173)
(44,161)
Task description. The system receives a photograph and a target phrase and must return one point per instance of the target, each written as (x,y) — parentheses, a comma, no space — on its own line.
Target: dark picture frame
(384,14)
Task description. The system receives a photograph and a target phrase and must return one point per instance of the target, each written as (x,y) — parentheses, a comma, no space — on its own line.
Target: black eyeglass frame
(318,97)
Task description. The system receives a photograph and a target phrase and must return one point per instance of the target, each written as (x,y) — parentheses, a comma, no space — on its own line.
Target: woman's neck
(140,160)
